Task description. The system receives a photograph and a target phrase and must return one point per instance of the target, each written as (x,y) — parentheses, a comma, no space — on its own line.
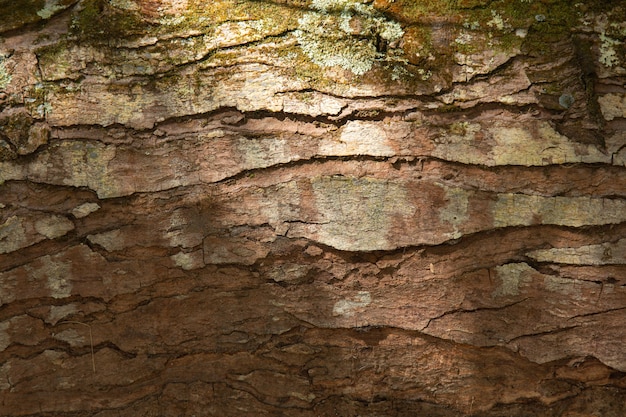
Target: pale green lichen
(5,77)
(497,21)
(343,33)
(50,9)
(608,55)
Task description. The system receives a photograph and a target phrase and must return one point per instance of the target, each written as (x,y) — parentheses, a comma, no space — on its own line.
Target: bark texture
(312,208)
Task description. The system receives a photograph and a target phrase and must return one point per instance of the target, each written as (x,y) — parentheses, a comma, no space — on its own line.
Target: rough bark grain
(312,208)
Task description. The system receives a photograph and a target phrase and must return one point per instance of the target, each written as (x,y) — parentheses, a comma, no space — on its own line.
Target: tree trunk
(312,208)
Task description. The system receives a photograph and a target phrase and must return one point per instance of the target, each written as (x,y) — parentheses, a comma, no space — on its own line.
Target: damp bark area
(312,208)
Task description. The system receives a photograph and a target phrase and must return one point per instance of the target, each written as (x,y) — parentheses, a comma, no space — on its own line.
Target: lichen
(608,55)
(50,9)
(566,100)
(497,21)
(5,76)
(344,33)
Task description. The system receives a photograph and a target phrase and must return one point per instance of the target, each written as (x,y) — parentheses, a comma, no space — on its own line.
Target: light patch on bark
(188,261)
(5,339)
(612,105)
(355,212)
(85,210)
(263,153)
(125,5)
(526,210)
(60,312)
(518,146)
(455,213)
(359,138)
(73,163)
(290,273)
(12,235)
(17,233)
(5,376)
(349,307)
(260,90)
(459,144)
(602,254)
(87,164)
(53,226)
(568,287)
(512,276)
(112,240)
(178,231)
(55,274)
(312,103)
(71,336)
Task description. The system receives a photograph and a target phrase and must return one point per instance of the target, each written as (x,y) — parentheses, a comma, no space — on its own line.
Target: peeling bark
(312,208)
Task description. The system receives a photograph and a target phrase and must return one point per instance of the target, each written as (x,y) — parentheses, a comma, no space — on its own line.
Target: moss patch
(99,22)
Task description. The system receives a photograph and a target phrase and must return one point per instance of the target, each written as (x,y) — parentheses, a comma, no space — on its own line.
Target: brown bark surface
(312,208)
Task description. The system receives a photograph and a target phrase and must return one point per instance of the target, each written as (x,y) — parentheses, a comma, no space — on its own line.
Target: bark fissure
(312,208)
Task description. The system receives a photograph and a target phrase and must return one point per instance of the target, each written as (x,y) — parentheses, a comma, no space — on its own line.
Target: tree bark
(312,208)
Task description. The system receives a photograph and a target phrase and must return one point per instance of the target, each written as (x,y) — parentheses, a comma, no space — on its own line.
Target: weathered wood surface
(312,208)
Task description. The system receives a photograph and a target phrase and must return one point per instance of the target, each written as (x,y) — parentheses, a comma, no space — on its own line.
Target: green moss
(18,13)
(97,21)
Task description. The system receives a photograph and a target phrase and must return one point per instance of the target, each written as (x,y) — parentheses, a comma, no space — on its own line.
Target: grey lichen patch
(344,33)
(566,100)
